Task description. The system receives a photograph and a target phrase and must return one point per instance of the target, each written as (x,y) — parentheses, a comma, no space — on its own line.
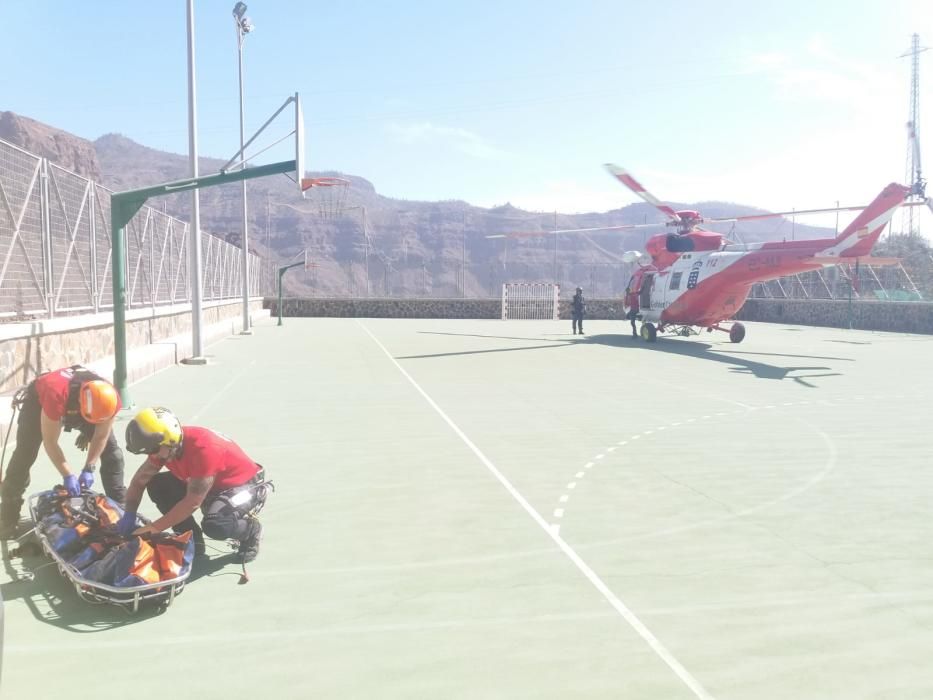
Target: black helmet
(580,289)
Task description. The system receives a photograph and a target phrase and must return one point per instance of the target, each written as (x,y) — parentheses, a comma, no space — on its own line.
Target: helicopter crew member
(206,470)
(631,301)
(578,311)
(74,398)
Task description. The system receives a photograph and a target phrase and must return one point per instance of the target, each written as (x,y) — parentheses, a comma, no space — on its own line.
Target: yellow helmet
(151,429)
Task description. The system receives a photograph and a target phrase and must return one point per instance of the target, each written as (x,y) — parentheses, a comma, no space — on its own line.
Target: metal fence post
(46,243)
(92,204)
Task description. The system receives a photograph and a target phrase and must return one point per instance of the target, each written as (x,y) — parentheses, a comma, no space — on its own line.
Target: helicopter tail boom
(860,236)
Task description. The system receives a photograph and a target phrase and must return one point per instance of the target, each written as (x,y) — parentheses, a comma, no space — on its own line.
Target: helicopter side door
(645,293)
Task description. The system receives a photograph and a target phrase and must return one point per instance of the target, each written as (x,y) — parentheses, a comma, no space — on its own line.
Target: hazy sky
(778,104)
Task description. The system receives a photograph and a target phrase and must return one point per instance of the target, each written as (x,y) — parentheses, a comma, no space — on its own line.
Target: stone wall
(898,316)
(425,308)
(908,317)
(388,308)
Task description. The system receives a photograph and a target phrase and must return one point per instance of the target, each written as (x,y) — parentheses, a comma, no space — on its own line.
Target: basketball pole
(123,207)
(282,271)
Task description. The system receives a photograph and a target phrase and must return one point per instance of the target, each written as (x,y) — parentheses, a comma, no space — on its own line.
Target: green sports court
(500,509)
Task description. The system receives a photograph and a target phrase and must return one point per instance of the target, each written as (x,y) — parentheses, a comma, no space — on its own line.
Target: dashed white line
(579,475)
(587,465)
(611,449)
(600,456)
(634,622)
(563,499)
(559,513)
(572,485)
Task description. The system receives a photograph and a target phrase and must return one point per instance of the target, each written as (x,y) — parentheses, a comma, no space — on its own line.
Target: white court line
(579,475)
(572,485)
(666,656)
(558,512)
(587,465)
(564,498)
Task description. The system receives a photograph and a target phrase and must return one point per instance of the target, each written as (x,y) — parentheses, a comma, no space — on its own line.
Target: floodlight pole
(194,233)
(243,26)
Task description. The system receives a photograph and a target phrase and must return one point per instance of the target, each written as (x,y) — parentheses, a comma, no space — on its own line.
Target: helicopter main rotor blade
(828,210)
(755,217)
(532,234)
(635,186)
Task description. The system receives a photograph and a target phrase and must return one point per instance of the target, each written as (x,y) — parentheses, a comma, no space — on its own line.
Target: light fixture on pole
(243,27)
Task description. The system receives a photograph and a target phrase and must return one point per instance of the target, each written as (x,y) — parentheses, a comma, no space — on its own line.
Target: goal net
(522,300)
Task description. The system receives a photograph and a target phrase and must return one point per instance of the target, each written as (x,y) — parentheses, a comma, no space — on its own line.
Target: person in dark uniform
(631,300)
(578,311)
(74,398)
(206,470)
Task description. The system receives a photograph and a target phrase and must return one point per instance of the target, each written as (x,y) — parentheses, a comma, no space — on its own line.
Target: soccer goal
(536,300)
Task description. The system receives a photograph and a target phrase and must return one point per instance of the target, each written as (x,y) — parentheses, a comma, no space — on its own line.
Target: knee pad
(220,526)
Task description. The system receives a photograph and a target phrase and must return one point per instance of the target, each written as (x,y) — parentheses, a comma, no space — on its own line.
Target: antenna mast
(913,173)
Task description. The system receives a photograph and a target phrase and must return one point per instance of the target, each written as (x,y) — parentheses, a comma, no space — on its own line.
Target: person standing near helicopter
(578,311)
(631,301)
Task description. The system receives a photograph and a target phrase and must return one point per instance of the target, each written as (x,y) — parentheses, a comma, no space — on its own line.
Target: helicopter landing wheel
(648,332)
(737,333)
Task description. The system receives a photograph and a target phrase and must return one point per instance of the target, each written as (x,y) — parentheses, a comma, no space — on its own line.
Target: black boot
(249,545)
(9,518)
(8,530)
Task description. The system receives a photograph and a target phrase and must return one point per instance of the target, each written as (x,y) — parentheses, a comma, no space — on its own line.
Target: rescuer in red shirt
(68,399)
(206,470)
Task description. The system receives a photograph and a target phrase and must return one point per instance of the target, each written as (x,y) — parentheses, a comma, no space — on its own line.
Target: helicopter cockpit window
(675,280)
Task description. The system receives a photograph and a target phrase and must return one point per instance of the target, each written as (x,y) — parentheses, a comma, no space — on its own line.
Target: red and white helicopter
(699,279)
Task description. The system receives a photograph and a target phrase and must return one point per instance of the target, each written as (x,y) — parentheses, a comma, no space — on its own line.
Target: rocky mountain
(70,152)
(379,245)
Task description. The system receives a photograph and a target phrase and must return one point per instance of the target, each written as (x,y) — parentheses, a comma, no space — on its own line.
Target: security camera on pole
(243,27)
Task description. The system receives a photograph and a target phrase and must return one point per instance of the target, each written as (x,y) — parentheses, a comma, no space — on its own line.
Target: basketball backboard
(299,147)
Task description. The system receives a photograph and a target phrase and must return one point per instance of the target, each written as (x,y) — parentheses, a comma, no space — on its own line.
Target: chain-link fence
(866,282)
(55,243)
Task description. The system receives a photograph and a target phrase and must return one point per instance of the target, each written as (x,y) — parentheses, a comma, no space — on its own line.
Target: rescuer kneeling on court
(206,470)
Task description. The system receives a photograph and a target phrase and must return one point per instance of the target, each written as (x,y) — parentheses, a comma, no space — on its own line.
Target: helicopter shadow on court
(736,359)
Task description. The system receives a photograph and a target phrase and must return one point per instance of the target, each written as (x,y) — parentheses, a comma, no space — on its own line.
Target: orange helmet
(98,401)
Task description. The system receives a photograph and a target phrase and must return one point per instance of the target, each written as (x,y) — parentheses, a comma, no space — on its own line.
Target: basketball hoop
(329,194)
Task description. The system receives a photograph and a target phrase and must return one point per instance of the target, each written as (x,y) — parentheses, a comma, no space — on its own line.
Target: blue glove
(71,484)
(86,480)
(127,523)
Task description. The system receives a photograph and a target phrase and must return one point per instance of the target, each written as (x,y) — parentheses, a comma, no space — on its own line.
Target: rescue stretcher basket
(160,594)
